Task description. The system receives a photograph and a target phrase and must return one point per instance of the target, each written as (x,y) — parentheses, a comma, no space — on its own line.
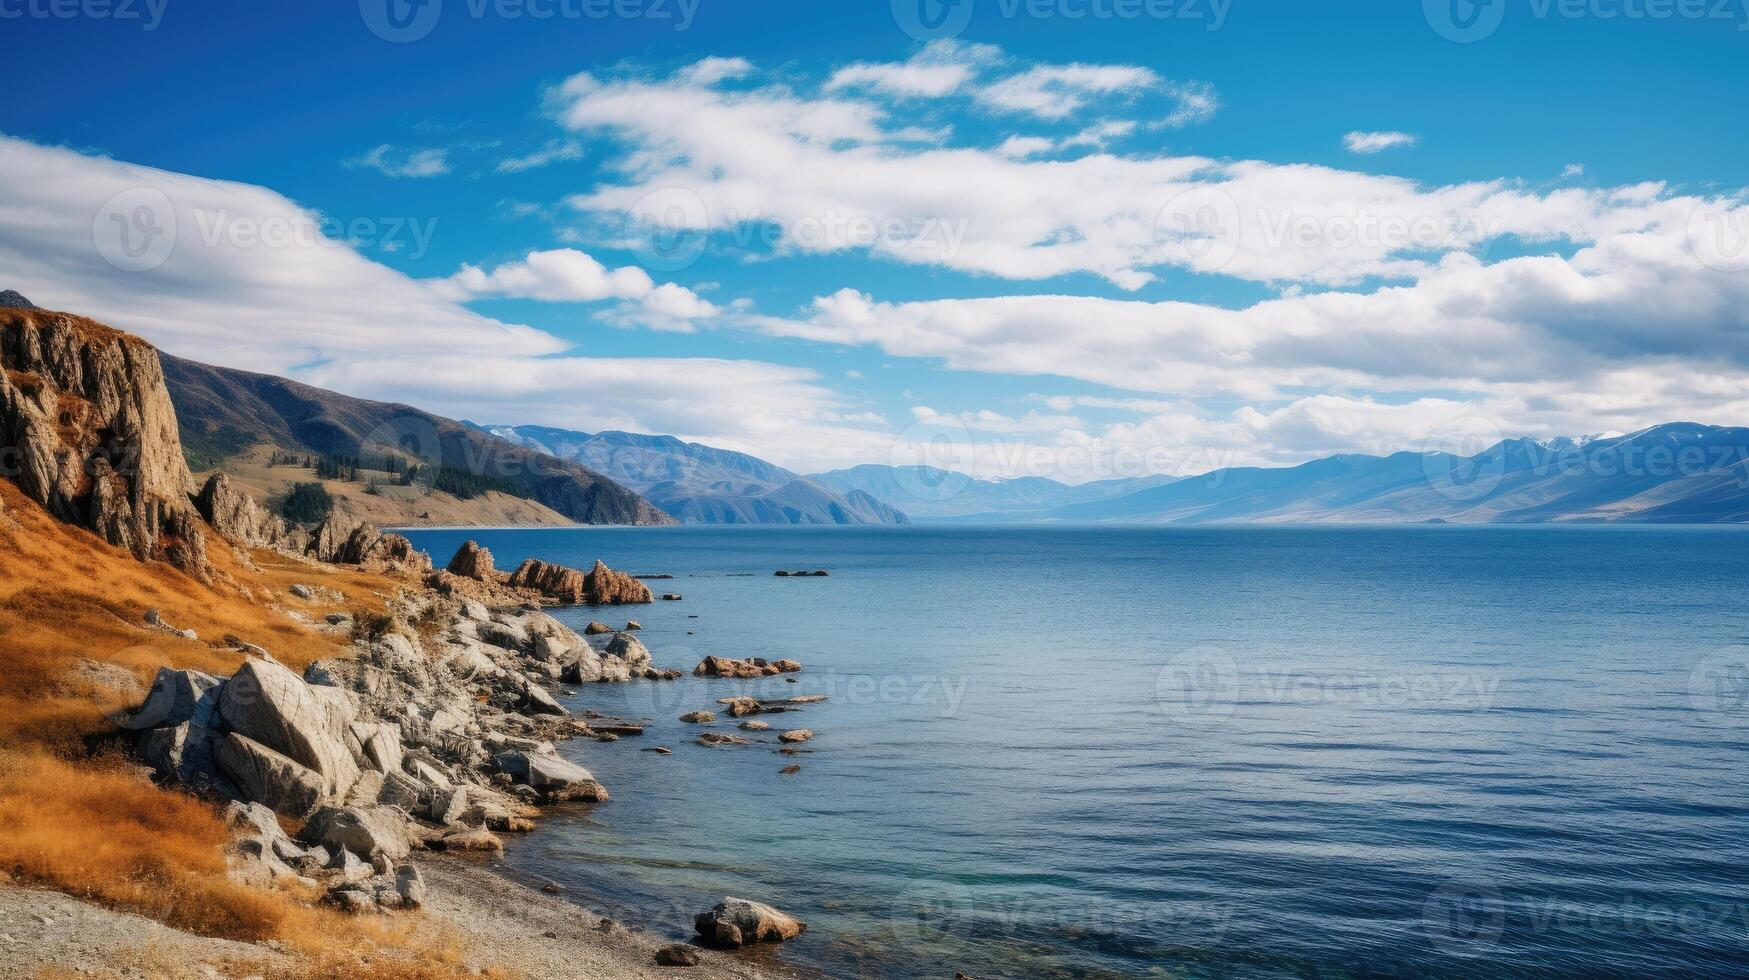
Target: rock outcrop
(91,435)
(239,519)
(746,669)
(474,561)
(415,740)
(342,542)
(602,586)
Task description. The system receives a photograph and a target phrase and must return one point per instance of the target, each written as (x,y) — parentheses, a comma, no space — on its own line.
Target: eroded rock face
(475,562)
(239,519)
(90,434)
(338,542)
(602,586)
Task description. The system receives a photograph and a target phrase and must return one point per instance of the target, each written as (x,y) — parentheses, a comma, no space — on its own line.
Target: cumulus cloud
(390,162)
(1058,91)
(1359,142)
(567,275)
(238,275)
(772,155)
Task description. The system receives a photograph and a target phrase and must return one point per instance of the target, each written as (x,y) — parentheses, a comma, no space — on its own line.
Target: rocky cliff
(88,430)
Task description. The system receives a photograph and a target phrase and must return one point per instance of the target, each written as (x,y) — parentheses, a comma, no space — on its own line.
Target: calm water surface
(1199,752)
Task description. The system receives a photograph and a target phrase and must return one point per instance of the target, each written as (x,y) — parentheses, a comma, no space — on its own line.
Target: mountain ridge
(701,484)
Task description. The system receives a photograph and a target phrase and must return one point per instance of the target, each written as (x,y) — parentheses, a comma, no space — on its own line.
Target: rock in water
(597,629)
(93,435)
(747,922)
(604,586)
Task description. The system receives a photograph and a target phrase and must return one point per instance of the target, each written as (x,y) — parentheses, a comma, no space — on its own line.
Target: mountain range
(926,492)
(1675,472)
(702,484)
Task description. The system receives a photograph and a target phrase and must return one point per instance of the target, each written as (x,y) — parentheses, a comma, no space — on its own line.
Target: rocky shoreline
(437,733)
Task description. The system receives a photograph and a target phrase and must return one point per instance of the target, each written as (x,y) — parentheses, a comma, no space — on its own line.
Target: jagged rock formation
(341,542)
(240,520)
(92,435)
(474,561)
(601,586)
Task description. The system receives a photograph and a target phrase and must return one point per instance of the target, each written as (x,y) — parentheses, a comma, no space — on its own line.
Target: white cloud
(1572,170)
(710,71)
(554,151)
(1054,92)
(1196,103)
(1360,142)
(567,275)
(314,309)
(940,69)
(774,155)
(389,162)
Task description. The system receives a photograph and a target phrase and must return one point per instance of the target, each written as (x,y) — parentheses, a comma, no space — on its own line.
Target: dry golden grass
(75,816)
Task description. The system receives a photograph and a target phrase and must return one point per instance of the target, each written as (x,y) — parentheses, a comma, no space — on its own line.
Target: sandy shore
(508,925)
(498,924)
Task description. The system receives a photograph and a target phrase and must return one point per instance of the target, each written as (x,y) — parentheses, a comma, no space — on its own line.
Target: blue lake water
(1200,752)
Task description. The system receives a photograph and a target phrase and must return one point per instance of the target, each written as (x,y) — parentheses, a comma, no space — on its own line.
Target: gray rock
(553,776)
(307,724)
(402,790)
(677,955)
(176,696)
(630,649)
(365,831)
(410,885)
(268,777)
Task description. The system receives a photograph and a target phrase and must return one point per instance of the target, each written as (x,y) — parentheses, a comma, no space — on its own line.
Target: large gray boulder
(264,776)
(630,650)
(555,778)
(365,831)
(308,724)
(176,696)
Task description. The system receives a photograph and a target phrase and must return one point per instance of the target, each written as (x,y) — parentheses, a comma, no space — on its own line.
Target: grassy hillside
(228,416)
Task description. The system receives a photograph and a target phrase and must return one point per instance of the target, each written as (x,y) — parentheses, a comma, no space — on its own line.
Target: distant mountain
(926,492)
(224,412)
(1677,472)
(701,484)
(11,299)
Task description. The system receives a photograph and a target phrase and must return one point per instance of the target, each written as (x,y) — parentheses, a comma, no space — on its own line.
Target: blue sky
(1154,236)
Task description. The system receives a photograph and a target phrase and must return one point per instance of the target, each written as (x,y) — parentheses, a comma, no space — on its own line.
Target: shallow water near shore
(1406,751)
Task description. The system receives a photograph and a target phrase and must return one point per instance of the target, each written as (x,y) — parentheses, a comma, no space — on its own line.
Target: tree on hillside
(307,503)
